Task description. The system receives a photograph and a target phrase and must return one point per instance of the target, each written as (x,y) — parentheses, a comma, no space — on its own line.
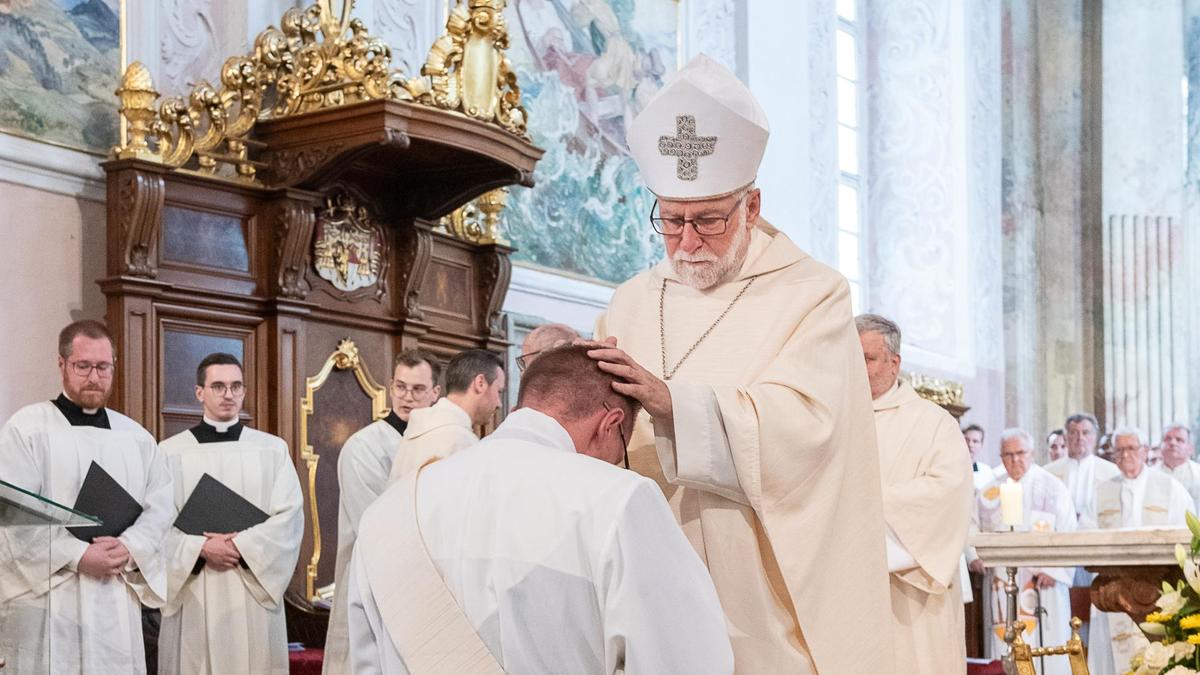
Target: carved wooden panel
(182,345)
(447,290)
(205,239)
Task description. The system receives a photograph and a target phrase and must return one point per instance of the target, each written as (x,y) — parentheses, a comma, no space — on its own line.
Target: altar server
(363,468)
(67,605)
(225,608)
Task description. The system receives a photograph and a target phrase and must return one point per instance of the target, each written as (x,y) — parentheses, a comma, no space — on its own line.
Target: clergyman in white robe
(1188,475)
(1047,507)
(1081,477)
(926,503)
(1150,499)
(363,468)
(433,433)
(93,626)
(231,621)
(561,563)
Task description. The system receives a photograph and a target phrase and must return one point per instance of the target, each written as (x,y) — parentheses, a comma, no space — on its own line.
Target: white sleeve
(661,612)
(696,451)
(898,557)
(270,549)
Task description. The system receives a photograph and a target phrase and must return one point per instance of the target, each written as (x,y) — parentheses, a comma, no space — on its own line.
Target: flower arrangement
(1176,624)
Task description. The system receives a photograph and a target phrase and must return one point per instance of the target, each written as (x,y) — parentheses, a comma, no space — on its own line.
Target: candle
(1012,510)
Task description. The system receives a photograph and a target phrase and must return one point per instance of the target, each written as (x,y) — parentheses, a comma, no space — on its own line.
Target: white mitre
(703,134)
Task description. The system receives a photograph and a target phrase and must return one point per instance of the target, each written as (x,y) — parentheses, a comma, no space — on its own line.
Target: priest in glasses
(232,550)
(72,604)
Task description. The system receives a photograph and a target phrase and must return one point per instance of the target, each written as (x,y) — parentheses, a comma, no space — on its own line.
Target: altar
(1130,565)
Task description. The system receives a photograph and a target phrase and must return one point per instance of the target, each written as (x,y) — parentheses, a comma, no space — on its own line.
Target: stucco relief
(823,170)
(914,218)
(402,24)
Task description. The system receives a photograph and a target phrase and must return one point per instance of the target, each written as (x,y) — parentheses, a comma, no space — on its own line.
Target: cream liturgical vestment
(94,627)
(1048,507)
(363,468)
(771,466)
(1188,474)
(559,562)
(231,621)
(433,433)
(927,493)
(1152,499)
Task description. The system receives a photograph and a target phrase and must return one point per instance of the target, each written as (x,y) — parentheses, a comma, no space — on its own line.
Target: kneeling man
(225,608)
(531,553)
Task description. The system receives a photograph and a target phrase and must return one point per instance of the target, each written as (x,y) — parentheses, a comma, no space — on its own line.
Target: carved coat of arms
(348,248)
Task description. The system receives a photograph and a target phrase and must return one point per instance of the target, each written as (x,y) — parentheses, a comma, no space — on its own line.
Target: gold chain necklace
(662,328)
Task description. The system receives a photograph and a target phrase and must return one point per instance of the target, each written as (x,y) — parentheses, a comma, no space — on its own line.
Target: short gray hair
(1083,417)
(1130,431)
(1014,432)
(873,323)
(1177,425)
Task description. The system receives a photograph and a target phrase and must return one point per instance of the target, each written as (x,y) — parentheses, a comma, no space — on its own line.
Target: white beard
(714,269)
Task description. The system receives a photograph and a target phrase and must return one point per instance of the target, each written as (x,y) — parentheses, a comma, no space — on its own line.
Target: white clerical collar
(221,427)
(530,425)
(89,411)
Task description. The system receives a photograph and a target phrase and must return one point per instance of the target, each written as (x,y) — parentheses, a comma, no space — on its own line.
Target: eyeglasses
(1013,455)
(624,441)
(235,388)
(83,368)
(705,226)
(524,360)
(416,391)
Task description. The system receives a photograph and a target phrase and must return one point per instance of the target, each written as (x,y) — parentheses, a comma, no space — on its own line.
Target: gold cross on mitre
(687,147)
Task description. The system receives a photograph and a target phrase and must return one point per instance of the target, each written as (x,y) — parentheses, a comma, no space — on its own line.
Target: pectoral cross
(687,147)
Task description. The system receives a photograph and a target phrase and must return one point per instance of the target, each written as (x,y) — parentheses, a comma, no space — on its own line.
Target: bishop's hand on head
(639,383)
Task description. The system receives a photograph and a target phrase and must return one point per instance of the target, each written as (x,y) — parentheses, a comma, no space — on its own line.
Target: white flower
(1191,572)
(1171,601)
(1156,656)
(1180,670)
(1183,649)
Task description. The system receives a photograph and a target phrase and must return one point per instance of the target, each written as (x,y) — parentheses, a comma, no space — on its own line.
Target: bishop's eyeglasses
(705,226)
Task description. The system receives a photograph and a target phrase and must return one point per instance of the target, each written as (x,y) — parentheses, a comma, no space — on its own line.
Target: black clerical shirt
(398,424)
(207,433)
(76,415)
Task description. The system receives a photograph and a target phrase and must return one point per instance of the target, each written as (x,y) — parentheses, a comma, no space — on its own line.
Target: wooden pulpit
(308,199)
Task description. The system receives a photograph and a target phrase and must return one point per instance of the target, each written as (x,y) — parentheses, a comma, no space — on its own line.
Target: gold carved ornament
(468,71)
(345,357)
(478,221)
(319,59)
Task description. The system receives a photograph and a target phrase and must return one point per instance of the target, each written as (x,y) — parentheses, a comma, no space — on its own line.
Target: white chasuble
(232,621)
(93,627)
(1048,507)
(927,493)
(433,433)
(363,468)
(1152,499)
(561,563)
(770,465)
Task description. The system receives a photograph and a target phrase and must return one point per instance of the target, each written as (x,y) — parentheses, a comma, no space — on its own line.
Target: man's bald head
(567,384)
(547,336)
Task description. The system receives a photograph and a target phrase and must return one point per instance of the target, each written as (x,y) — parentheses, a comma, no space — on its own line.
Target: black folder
(103,497)
(213,507)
